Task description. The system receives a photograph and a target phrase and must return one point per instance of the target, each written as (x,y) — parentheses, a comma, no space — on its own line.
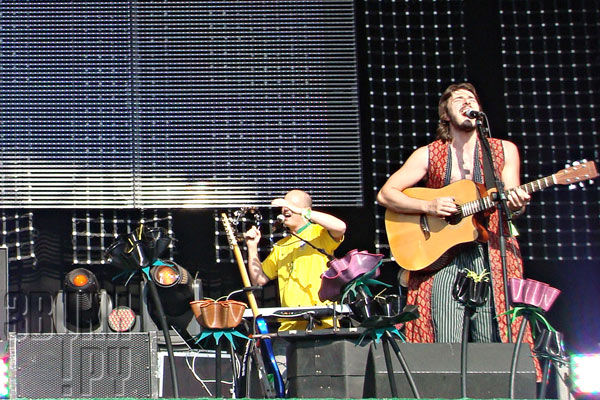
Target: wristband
(519,212)
(307,214)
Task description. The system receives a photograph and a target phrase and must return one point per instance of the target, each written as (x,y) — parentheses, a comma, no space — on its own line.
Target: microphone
(278,223)
(474,114)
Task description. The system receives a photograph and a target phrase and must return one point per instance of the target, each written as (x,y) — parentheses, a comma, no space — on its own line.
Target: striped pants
(448,313)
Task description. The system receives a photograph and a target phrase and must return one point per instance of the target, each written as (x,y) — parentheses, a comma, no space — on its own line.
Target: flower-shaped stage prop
(472,291)
(140,250)
(219,319)
(347,280)
(531,299)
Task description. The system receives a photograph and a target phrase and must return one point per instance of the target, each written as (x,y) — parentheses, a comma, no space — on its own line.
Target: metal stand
(515,357)
(469,311)
(268,389)
(545,377)
(218,369)
(388,339)
(165,329)
(471,293)
(503,211)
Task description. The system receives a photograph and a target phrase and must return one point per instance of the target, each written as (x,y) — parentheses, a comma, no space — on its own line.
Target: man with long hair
(456,155)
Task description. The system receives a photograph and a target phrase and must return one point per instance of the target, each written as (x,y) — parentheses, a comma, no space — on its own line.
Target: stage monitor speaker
(77,365)
(326,367)
(436,371)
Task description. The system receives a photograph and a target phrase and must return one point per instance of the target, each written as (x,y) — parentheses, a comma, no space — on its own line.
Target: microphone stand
(503,211)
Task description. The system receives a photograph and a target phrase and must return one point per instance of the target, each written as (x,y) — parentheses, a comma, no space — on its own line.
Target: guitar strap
(489,177)
(488,171)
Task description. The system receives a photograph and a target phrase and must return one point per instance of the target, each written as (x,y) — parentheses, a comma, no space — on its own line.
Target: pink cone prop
(532,293)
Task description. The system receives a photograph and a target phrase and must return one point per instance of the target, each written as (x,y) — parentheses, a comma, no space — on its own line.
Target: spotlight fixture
(174,286)
(82,299)
(121,319)
(167,275)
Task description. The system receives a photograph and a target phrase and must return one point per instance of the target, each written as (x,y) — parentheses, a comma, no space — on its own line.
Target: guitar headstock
(228,230)
(578,172)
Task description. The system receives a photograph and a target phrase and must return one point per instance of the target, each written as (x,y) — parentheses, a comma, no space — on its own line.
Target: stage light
(82,299)
(174,286)
(584,374)
(4,368)
(166,275)
(121,319)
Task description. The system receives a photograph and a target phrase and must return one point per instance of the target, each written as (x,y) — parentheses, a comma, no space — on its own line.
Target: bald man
(296,265)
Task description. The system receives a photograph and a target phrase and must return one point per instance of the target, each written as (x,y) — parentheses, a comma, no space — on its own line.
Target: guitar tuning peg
(576,163)
(591,181)
(581,184)
(572,186)
(567,165)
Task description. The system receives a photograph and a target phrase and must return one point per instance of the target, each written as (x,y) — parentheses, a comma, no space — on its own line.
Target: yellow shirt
(298,268)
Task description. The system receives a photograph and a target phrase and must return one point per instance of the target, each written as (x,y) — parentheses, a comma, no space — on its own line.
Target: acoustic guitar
(424,242)
(266,347)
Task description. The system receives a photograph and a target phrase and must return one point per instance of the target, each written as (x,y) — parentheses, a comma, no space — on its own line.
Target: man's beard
(465,126)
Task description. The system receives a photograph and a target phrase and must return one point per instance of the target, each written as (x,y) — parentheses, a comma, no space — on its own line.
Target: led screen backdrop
(551,65)
(548,82)
(146,104)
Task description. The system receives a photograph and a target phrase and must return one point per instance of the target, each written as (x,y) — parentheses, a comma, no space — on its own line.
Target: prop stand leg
(388,338)
(515,357)
(390,367)
(463,349)
(545,377)
(165,329)
(218,369)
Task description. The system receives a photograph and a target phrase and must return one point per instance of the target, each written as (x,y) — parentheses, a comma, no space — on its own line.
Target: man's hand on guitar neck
(517,200)
(441,207)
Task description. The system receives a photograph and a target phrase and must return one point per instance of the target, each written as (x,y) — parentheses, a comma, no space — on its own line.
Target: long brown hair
(443,128)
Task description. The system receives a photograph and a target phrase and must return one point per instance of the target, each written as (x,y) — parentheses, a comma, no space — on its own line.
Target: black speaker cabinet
(326,367)
(436,370)
(80,365)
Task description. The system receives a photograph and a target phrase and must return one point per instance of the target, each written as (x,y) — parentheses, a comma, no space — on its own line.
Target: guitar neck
(240,263)
(539,184)
(245,280)
(484,203)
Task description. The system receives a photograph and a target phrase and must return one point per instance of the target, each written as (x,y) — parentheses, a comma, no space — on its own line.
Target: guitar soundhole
(454,219)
